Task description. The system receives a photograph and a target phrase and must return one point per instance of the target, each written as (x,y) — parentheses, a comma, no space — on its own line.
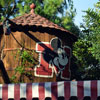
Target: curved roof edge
(33,19)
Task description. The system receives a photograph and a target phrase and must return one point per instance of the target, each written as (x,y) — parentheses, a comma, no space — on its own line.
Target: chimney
(32,6)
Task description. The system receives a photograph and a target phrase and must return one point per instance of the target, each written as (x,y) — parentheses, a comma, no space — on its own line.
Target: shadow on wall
(4,73)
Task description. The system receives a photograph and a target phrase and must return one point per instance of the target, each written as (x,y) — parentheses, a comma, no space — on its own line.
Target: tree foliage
(86,49)
(61,12)
(7,8)
(26,61)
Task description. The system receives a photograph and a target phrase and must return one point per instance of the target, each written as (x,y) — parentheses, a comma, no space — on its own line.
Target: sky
(80,6)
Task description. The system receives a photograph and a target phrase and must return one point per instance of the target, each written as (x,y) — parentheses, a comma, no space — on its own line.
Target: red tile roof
(33,19)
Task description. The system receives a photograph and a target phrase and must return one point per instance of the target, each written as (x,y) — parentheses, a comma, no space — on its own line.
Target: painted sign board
(53,58)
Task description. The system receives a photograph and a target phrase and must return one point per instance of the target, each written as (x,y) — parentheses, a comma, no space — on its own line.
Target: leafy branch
(26,63)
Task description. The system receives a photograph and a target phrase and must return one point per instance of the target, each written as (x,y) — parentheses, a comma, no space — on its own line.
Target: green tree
(61,12)
(92,23)
(86,49)
(46,8)
(7,8)
(67,20)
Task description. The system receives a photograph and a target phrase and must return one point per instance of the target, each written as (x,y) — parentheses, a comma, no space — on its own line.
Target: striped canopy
(53,90)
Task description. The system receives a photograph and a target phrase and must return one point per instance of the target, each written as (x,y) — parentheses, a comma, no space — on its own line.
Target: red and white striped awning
(65,89)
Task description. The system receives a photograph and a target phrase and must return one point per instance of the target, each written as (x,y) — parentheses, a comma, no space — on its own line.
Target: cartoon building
(52,50)
(52,43)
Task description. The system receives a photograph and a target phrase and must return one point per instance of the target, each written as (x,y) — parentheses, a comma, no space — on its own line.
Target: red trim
(93,90)
(43,88)
(80,90)
(17,92)
(5,92)
(29,91)
(67,90)
(41,91)
(54,92)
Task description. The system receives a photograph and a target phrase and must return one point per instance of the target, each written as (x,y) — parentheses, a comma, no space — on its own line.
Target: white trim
(35,90)
(0,91)
(87,88)
(73,88)
(23,90)
(10,90)
(40,43)
(98,88)
(55,38)
(60,89)
(48,89)
(46,76)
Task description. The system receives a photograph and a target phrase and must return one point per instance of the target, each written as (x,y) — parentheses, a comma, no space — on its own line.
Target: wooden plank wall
(11,48)
(28,40)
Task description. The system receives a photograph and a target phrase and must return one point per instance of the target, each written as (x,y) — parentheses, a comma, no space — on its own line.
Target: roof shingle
(33,19)
(37,20)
